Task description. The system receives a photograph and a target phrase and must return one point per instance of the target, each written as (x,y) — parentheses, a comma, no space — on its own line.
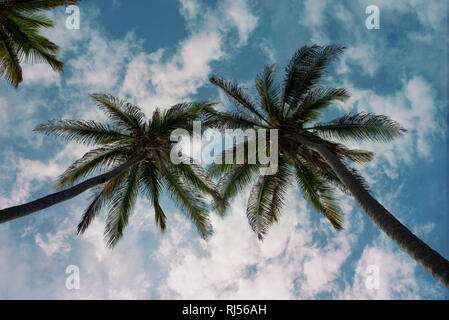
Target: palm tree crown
(145,144)
(20,38)
(293,108)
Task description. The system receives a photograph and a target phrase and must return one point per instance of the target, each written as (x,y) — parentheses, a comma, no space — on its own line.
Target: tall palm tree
(133,155)
(20,40)
(307,154)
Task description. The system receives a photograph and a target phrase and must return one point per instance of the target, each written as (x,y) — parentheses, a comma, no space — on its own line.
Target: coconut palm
(308,151)
(133,156)
(20,40)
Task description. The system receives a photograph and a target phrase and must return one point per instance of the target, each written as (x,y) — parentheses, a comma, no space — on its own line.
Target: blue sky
(158,53)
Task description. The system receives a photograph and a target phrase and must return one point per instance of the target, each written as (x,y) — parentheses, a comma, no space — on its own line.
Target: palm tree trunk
(431,260)
(16,212)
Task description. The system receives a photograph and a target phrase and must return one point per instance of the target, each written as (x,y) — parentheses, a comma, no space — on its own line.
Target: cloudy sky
(157,53)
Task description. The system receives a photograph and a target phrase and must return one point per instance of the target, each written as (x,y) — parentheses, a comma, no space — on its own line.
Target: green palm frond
(20,40)
(93,161)
(305,69)
(237,179)
(315,101)
(86,132)
(359,156)
(102,195)
(10,65)
(317,192)
(30,46)
(199,178)
(152,186)
(122,115)
(181,116)
(258,202)
(360,127)
(238,95)
(269,91)
(34,20)
(35,5)
(120,207)
(233,120)
(332,178)
(189,200)
(222,164)
(267,198)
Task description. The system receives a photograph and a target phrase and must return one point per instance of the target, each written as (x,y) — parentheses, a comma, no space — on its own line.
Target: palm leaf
(153,185)
(317,192)
(92,161)
(360,127)
(305,69)
(120,207)
(35,5)
(189,200)
(103,195)
(268,91)
(118,111)
(267,198)
(238,95)
(315,101)
(86,132)
(10,64)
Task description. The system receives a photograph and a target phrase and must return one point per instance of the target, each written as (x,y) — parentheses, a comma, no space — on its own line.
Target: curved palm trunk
(431,260)
(52,199)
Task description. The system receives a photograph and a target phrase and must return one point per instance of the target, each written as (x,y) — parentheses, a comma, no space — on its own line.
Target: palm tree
(307,154)
(133,156)
(20,38)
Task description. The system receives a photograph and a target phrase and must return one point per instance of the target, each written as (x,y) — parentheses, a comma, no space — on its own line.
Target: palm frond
(93,161)
(360,127)
(317,192)
(35,5)
(269,91)
(86,132)
(31,47)
(120,207)
(189,200)
(267,198)
(359,156)
(103,195)
(238,95)
(332,178)
(123,115)
(152,185)
(305,69)
(34,20)
(180,116)
(237,180)
(315,101)
(233,120)
(10,65)
(199,178)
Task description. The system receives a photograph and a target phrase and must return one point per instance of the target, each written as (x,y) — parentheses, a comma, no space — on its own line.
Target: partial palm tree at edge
(134,154)
(306,152)
(20,40)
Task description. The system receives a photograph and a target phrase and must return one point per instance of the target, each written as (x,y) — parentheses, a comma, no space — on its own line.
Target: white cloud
(158,80)
(313,14)
(268,50)
(233,264)
(28,175)
(245,21)
(57,242)
(413,106)
(189,8)
(431,14)
(40,74)
(397,278)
